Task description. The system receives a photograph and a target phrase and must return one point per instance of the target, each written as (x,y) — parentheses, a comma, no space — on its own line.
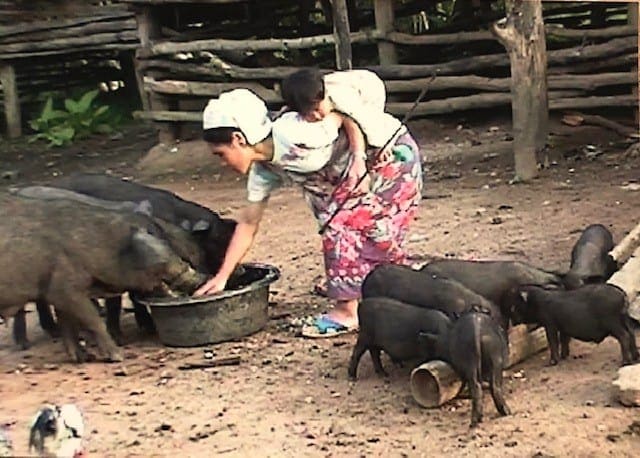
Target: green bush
(79,119)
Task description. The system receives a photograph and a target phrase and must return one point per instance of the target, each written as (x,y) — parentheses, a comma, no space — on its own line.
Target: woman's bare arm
(247,225)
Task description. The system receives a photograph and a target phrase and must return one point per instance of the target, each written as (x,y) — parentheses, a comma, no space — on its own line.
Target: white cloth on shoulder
(298,146)
(242,109)
(361,95)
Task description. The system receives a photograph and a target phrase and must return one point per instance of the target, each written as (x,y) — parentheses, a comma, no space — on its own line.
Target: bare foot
(345,313)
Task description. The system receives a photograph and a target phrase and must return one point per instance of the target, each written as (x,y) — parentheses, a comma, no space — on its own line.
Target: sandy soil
(290,396)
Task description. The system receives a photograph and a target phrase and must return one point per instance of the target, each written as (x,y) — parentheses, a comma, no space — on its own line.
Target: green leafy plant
(79,119)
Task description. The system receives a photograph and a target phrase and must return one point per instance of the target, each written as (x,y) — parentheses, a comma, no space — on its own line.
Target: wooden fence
(588,67)
(188,51)
(70,44)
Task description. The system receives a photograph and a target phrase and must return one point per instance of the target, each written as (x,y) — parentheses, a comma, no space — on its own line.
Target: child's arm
(358,148)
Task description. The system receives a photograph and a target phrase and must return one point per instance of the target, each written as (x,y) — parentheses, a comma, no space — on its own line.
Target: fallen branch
(224,361)
(597,120)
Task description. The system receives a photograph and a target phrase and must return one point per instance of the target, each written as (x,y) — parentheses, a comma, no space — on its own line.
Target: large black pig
(424,289)
(590,258)
(205,243)
(476,347)
(590,313)
(393,327)
(213,232)
(64,253)
(498,281)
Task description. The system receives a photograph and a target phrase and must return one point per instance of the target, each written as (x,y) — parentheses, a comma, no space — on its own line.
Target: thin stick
(224,361)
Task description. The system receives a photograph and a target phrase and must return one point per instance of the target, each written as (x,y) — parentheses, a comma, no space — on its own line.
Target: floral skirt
(371,229)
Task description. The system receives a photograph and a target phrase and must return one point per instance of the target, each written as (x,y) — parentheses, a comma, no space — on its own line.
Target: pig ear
(200,226)
(149,251)
(144,207)
(427,338)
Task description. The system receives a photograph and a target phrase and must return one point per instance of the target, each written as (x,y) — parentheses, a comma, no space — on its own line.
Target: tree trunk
(523,37)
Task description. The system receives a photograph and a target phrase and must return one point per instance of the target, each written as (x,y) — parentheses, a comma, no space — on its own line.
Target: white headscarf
(239,108)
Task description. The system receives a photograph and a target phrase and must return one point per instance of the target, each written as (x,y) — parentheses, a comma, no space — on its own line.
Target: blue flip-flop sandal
(324,327)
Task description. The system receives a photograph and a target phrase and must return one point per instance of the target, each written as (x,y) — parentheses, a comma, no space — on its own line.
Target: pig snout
(188,280)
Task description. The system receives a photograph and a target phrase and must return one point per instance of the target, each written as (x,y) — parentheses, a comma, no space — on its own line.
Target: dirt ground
(290,396)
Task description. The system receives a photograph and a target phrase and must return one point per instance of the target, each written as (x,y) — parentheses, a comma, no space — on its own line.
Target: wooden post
(344,59)
(632,19)
(148,30)
(384,23)
(11,100)
(522,34)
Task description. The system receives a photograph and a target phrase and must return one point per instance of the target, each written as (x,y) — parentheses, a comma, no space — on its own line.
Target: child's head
(303,91)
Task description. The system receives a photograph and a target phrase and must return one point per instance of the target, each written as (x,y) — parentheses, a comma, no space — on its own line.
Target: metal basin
(238,311)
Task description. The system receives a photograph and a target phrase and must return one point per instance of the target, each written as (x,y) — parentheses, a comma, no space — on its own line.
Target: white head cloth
(239,108)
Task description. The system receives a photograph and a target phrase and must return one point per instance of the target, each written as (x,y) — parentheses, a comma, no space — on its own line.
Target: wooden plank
(501,99)
(71,51)
(11,100)
(401,71)
(344,56)
(384,17)
(256,45)
(441,106)
(485,35)
(82,30)
(367,36)
(592,66)
(174,87)
(171,116)
(71,42)
(27,27)
(585,82)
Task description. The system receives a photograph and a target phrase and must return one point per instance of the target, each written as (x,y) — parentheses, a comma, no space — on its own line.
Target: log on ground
(628,279)
(435,382)
(627,246)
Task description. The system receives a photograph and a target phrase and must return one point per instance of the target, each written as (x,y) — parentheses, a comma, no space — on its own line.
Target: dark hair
(301,90)
(219,135)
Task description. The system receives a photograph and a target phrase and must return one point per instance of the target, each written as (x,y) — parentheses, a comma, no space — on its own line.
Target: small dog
(56,431)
